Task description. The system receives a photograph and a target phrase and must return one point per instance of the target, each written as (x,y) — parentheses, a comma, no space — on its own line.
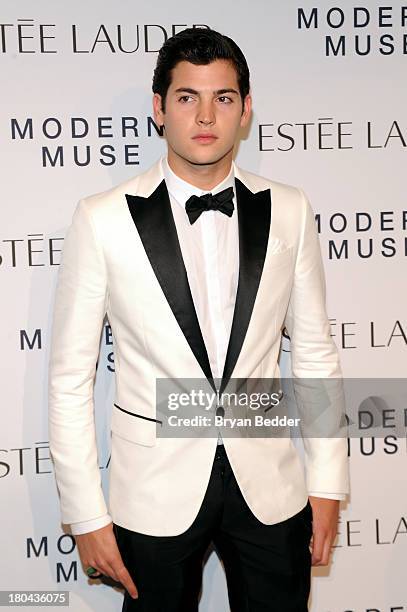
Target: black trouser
(268,567)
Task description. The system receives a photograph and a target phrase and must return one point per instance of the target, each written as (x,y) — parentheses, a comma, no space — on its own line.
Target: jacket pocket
(133,426)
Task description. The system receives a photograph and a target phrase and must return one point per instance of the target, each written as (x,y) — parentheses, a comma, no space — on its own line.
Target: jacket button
(220,411)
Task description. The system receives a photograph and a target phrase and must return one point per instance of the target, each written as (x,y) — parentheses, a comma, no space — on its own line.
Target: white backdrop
(333,123)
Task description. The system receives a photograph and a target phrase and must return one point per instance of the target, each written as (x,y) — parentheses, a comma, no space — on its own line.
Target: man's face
(203,112)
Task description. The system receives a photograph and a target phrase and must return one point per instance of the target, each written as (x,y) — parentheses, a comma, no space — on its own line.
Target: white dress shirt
(210,249)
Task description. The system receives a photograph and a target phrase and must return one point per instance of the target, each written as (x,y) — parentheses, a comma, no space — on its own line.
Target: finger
(97,574)
(121,573)
(106,568)
(326,551)
(317,547)
(123,576)
(103,568)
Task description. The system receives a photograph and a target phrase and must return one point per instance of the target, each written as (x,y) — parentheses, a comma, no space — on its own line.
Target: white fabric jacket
(122,258)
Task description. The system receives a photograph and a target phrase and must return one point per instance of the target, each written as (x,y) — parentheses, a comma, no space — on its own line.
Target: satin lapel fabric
(155,224)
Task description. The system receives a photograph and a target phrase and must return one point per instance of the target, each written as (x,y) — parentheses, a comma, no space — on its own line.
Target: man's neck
(204,177)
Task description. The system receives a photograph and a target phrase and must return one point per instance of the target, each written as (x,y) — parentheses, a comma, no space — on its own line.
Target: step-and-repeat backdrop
(330,99)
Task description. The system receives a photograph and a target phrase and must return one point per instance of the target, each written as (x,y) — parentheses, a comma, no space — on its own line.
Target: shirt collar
(182,190)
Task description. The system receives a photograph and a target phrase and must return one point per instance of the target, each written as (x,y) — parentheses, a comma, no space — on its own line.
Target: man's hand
(99,549)
(325,514)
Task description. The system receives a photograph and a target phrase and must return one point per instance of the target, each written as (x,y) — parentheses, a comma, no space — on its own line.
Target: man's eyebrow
(217,92)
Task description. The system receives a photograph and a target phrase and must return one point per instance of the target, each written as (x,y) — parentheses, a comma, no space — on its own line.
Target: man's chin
(205,160)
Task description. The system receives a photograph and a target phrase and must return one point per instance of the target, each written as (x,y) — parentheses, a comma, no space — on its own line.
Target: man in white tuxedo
(198,265)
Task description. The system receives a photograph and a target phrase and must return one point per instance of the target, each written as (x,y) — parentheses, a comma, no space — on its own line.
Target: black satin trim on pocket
(140,416)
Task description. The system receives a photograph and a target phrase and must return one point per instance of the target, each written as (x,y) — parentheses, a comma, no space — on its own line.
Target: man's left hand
(325,513)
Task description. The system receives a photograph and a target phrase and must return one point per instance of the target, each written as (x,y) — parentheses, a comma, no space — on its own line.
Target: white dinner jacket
(121,257)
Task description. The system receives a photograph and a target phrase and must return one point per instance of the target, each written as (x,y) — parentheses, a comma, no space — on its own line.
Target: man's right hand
(99,549)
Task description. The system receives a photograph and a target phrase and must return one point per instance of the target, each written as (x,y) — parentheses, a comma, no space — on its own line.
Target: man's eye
(184,98)
(225,99)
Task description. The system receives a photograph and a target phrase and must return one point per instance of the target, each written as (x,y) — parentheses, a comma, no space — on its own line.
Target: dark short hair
(199,46)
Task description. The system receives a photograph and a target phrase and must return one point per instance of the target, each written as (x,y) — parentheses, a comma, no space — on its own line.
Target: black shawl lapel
(254,217)
(155,224)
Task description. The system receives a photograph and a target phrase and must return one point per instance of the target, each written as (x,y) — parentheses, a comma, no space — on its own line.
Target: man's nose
(205,115)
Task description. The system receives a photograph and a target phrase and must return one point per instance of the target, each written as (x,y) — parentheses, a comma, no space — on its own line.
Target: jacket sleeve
(79,310)
(317,376)
(91,525)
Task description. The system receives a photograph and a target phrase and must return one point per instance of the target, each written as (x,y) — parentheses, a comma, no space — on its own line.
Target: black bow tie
(222,201)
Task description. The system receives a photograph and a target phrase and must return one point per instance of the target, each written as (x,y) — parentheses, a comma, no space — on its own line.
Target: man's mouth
(205,137)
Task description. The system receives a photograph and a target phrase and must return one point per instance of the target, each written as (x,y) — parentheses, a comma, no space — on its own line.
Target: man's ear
(157,109)
(246,111)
